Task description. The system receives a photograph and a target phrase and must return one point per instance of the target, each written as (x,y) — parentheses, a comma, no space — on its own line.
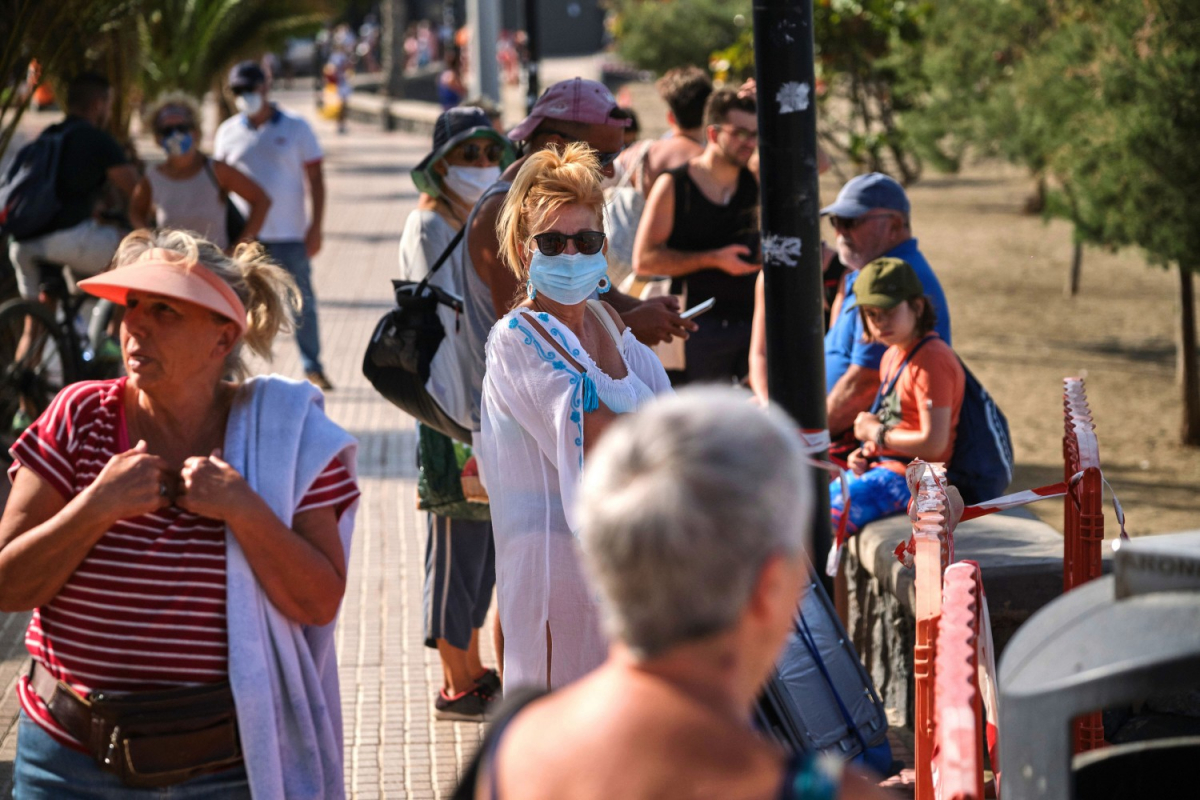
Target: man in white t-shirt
(280,151)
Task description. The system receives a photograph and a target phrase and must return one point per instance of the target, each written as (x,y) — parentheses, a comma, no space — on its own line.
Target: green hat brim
(427,181)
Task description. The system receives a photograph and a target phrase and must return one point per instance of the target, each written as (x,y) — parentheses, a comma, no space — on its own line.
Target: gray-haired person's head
(682,505)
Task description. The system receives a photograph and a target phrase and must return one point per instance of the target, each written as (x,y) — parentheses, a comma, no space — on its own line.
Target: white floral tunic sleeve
(531,452)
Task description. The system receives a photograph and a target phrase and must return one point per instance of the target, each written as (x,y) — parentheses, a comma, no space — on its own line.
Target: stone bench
(1021,562)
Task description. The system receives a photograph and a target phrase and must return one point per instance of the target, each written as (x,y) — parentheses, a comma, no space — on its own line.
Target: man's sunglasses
(471,151)
(606,159)
(170,130)
(241,90)
(552,243)
(850,223)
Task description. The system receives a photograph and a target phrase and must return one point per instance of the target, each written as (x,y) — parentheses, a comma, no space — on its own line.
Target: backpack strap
(882,393)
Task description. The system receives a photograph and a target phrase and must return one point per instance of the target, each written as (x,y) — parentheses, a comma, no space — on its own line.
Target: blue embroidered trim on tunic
(583,395)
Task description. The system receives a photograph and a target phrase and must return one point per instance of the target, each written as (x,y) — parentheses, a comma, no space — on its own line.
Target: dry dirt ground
(1003,272)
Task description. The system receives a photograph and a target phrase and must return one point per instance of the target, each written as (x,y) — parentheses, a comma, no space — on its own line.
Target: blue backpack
(29,190)
(982,462)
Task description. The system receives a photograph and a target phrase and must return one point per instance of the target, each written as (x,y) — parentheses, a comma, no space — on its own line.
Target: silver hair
(682,504)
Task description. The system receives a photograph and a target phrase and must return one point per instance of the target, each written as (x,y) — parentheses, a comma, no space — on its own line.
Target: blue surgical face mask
(567,279)
(178,144)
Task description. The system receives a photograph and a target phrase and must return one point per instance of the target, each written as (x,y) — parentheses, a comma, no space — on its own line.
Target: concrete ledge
(1021,562)
(414,116)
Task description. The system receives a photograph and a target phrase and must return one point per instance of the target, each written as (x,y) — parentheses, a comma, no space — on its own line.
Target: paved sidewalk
(394,749)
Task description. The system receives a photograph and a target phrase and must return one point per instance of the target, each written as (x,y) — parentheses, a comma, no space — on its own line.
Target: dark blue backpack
(29,190)
(982,462)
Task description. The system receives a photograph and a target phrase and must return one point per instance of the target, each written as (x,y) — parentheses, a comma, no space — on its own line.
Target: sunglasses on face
(471,152)
(170,130)
(241,90)
(606,159)
(850,223)
(553,243)
(741,134)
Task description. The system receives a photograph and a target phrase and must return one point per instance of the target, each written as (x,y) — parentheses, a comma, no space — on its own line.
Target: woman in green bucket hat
(467,157)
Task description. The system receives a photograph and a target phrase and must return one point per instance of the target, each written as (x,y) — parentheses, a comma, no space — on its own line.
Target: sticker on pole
(783,250)
(792,97)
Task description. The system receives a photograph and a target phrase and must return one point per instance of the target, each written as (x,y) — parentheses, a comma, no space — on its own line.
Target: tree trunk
(1189,369)
(1072,287)
(395,21)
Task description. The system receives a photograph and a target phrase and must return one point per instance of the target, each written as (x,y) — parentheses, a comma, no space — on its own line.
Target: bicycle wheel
(31,371)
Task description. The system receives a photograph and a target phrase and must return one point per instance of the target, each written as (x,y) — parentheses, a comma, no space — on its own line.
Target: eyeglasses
(741,134)
(241,90)
(170,130)
(552,243)
(606,159)
(850,223)
(471,152)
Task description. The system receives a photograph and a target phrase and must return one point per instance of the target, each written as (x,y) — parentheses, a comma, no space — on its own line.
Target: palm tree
(187,45)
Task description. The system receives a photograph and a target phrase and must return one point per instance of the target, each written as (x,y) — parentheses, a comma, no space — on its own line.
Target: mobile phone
(699,308)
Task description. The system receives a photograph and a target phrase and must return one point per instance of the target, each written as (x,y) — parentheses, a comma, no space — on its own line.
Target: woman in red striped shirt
(128,533)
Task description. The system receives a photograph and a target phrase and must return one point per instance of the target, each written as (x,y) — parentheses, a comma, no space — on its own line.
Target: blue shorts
(877,493)
(460,572)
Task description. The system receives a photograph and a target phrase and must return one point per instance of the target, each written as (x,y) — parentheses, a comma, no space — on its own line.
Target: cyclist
(90,159)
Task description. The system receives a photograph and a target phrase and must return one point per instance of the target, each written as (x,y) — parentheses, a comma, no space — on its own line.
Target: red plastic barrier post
(958,762)
(931,537)
(1083,519)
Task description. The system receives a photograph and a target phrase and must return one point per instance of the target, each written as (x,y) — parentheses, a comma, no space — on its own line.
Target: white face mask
(469,183)
(249,104)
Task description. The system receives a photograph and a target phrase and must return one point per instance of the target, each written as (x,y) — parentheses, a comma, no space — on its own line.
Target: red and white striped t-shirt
(145,609)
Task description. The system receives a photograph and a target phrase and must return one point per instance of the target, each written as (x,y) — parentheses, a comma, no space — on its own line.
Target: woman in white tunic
(560,368)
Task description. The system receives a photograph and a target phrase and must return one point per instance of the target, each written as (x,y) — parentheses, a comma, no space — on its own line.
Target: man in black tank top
(700,228)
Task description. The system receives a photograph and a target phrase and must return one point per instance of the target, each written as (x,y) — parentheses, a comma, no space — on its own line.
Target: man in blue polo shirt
(871,219)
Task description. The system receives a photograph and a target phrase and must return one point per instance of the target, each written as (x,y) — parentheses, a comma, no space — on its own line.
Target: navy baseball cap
(246,75)
(864,192)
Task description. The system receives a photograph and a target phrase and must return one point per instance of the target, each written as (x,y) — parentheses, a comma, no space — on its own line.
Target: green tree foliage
(56,33)
(187,45)
(660,34)
(1099,97)
(868,63)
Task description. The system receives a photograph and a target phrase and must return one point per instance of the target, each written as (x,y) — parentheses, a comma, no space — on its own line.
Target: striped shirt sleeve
(333,487)
(47,447)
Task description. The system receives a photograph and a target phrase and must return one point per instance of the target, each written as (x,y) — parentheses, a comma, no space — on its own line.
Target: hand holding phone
(699,308)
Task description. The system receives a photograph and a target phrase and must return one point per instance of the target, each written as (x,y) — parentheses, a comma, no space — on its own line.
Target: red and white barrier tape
(904,551)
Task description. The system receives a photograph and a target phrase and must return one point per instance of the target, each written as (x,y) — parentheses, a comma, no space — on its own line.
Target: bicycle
(59,350)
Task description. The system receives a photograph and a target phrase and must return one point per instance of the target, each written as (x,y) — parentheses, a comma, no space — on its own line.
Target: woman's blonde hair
(268,292)
(179,100)
(547,181)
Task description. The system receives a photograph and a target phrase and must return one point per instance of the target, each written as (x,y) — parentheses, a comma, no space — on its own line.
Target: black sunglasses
(552,243)
(241,90)
(471,151)
(173,129)
(606,159)
(850,223)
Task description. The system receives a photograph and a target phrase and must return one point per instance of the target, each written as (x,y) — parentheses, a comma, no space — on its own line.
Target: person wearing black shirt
(90,158)
(700,228)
